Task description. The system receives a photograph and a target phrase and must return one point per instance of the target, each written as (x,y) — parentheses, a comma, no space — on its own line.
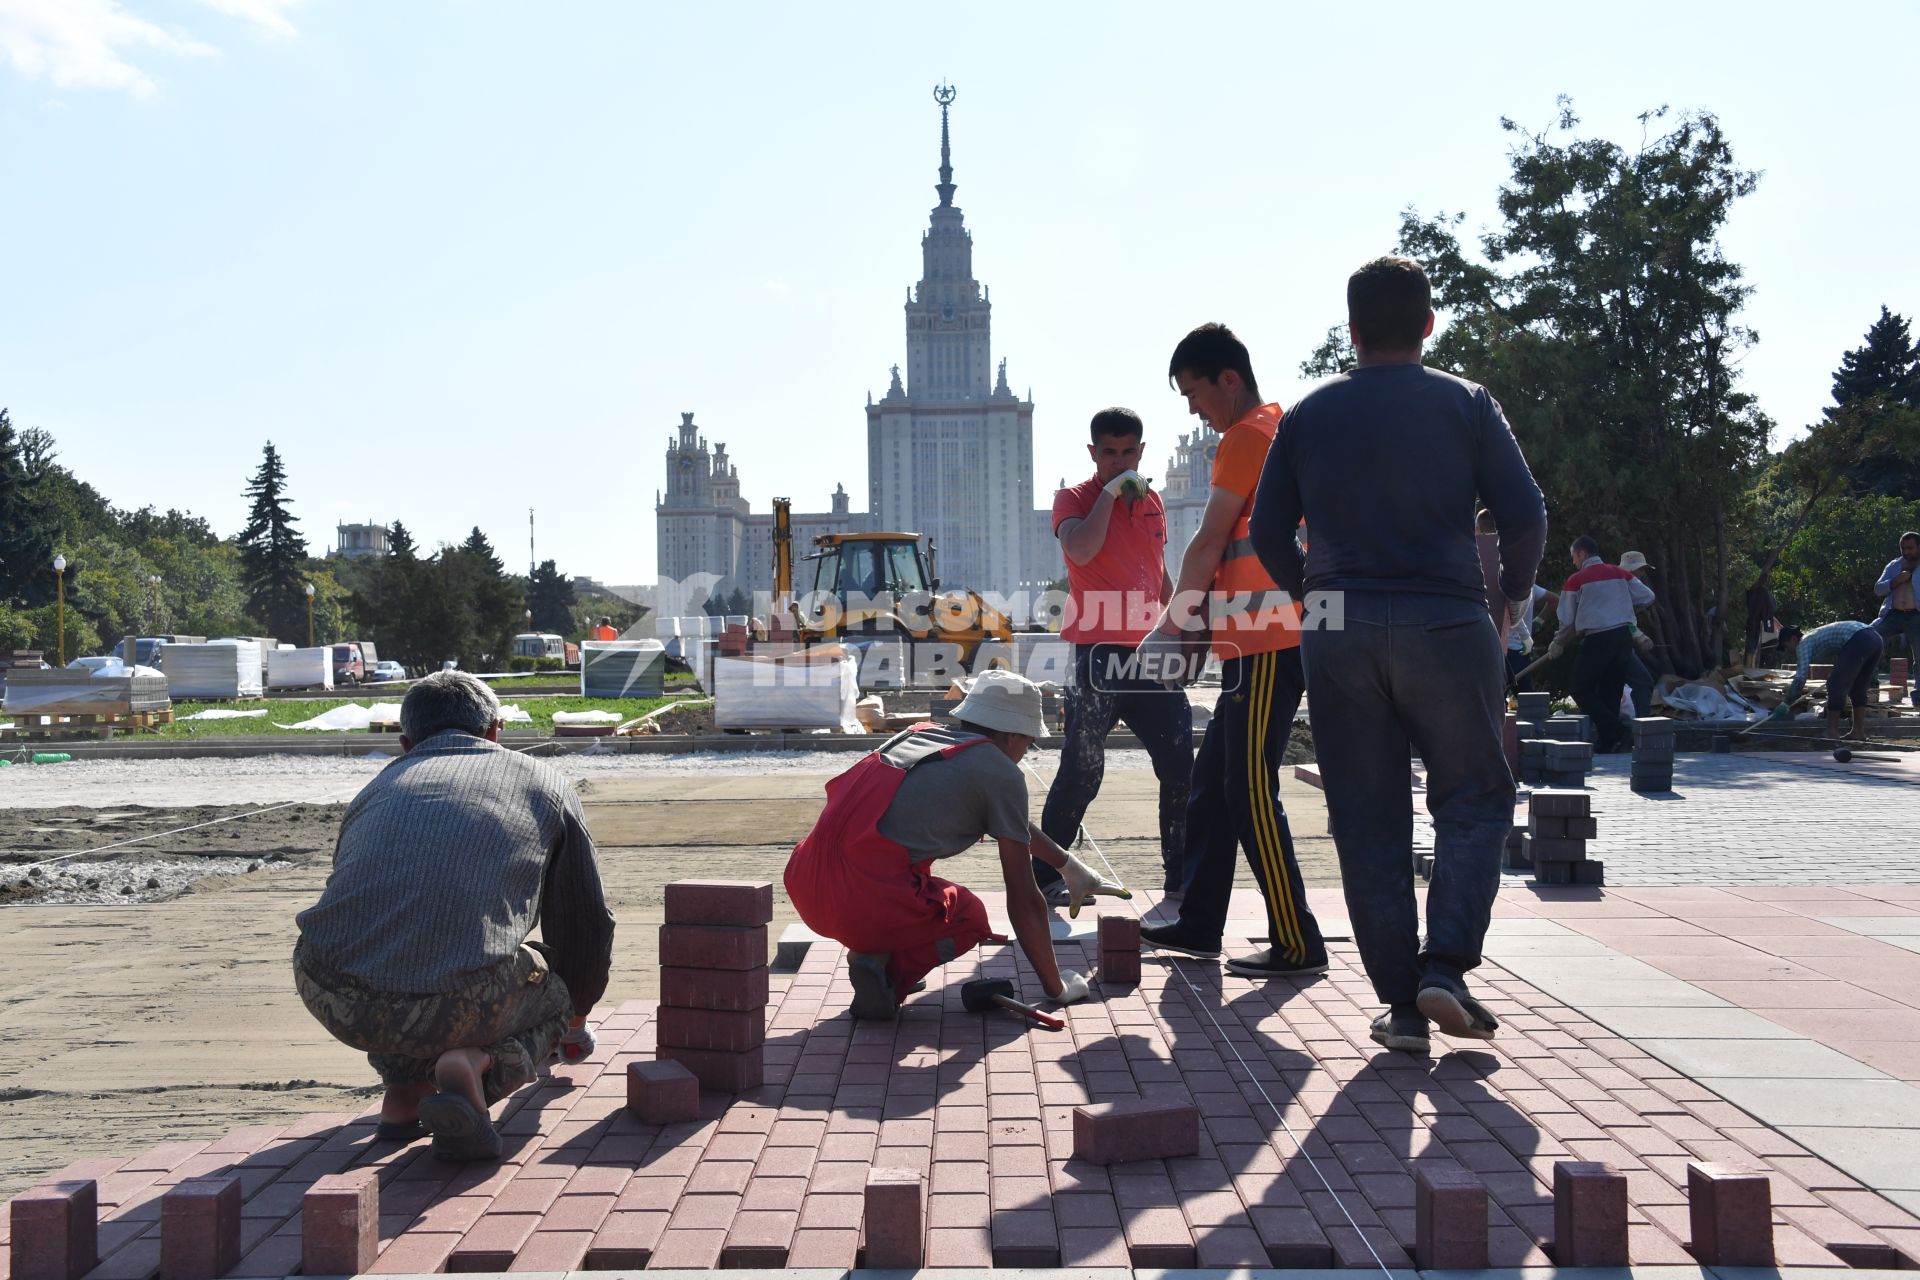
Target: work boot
(872,987)
(1180,940)
(1402,1028)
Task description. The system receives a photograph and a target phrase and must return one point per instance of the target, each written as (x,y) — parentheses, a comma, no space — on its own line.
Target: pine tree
(400,541)
(550,596)
(273,555)
(1887,365)
(477,545)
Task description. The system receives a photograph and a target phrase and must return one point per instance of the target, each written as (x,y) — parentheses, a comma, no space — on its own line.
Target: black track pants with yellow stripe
(1235,804)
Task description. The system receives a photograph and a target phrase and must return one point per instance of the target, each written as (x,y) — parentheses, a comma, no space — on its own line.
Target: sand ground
(126,1025)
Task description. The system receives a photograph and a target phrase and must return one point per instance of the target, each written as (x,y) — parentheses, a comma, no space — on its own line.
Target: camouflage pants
(514,1012)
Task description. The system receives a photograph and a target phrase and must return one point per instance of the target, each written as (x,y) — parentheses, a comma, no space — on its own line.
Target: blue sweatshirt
(1387,464)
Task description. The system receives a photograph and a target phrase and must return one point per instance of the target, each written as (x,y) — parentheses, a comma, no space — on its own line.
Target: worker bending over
(864,875)
(417,952)
(1854,649)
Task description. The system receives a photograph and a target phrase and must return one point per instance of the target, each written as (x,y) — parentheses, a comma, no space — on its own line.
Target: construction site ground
(1746,988)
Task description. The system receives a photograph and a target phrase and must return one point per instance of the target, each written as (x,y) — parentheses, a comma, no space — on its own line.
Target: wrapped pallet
(66,691)
(300,668)
(216,670)
(817,689)
(622,668)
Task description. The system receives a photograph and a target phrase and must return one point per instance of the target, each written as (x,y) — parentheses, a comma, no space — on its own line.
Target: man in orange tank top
(1235,797)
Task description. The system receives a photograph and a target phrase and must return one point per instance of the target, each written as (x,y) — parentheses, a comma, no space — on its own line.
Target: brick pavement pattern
(982,1108)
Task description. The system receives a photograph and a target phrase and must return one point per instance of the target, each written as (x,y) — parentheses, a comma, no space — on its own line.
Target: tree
(273,555)
(1604,318)
(1884,370)
(550,596)
(27,540)
(1828,568)
(400,541)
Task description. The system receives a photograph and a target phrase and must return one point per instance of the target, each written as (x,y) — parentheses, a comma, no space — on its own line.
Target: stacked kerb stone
(1653,738)
(1567,728)
(1559,824)
(713,982)
(1555,762)
(1531,711)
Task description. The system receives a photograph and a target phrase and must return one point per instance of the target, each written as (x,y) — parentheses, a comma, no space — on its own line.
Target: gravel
(122,881)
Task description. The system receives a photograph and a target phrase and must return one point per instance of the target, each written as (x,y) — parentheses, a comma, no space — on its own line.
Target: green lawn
(282,711)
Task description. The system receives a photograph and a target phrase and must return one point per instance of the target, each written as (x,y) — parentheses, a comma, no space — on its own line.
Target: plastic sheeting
(219,670)
(350,718)
(812,690)
(300,668)
(1709,703)
(225,713)
(586,717)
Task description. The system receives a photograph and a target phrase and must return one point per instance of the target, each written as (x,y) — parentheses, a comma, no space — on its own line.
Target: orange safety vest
(605,633)
(1248,611)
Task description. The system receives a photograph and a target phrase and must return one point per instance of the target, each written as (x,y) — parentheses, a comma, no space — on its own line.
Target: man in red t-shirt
(1113,532)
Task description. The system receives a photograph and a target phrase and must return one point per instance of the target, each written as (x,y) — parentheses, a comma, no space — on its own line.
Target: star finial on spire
(944,94)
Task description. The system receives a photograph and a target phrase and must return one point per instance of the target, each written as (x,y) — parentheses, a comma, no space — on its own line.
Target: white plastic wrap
(229,670)
(812,690)
(300,668)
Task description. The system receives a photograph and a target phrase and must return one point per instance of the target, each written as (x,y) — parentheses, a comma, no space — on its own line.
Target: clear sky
(457,258)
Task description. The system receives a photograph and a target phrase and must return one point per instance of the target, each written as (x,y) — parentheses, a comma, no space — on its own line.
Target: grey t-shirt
(945,806)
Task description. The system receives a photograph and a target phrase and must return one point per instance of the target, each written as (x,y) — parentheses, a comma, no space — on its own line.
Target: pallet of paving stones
(1559,825)
(1653,745)
(54,725)
(1555,762)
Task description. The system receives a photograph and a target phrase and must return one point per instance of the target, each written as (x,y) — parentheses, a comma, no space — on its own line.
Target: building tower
(950,447)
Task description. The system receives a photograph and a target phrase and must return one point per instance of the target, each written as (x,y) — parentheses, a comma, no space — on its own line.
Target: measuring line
(1200,1001)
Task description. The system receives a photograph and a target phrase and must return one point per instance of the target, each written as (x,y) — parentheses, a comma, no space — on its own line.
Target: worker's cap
(1004,701)
(1633,561)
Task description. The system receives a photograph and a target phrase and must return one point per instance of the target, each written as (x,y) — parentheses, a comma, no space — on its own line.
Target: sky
(461,258)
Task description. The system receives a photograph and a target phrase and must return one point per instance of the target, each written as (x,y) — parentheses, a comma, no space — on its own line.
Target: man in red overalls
(863,875)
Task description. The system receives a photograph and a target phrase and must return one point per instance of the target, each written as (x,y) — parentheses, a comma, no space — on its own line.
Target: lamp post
(60,607)
(309,615)
(153,586)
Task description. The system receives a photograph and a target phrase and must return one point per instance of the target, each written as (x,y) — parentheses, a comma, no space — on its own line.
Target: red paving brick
(984,1109)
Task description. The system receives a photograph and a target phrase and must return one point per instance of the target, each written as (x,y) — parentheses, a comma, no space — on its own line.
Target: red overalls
(852,884)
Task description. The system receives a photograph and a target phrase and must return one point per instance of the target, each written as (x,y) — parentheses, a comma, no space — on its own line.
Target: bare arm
(1082,539)
(1027,910)
(1202,557)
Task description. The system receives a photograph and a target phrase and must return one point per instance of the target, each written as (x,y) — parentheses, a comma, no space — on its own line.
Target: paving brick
(718,1070)
(553,1251)
(1119,968)
(54,1230)
(1292,1237)
(1120,933)
(492,1242)
(200,1229)
(683,1028)
(1135,1129)
(894,1219)
(1025,1238)
(705,946)
(626,1240)
(735,989)
(689,1250)
(1589,1214)
(1450,1217)
(340,1224)
(836,1249)
(1159,1238)
(1731,1213)
(719,902)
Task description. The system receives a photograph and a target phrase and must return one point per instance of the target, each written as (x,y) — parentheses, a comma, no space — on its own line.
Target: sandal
(400,1131)
(460,1131)
(1456,1013)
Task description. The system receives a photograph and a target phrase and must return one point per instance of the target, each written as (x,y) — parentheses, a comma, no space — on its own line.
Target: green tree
(1604,317)
(273,555)
(1828,567)
(550,596)
(27,540)
(1885,369)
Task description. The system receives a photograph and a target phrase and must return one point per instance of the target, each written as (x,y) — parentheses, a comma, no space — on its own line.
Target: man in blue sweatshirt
(1386,464)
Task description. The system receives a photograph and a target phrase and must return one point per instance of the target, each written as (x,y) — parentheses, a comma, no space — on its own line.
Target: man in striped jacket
(1596,607)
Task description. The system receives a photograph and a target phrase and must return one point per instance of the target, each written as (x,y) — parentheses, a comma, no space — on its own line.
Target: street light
(60,607)
(153,585)
(309,615)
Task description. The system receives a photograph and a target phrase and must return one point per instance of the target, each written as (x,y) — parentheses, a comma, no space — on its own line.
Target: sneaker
(872,989)
(1056,894)
(1456,1013)
(1269,963)
(1405,1031)
(1180,940)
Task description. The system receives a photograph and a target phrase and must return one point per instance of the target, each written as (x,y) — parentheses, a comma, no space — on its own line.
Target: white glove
(1129,484)
(1559,645)
(577,1042)
(1083,882)
(1073,986)
(1516,614)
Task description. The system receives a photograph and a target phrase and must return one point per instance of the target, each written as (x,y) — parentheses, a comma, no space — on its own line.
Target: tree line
(147,573)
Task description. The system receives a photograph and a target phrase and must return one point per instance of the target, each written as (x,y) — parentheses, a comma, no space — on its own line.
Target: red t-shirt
(1114,598)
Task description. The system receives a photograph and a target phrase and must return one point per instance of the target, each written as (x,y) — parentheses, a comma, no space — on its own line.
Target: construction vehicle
(878,586)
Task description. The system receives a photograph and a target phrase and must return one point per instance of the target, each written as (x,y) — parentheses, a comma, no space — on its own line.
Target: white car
(108,664)
(383,671)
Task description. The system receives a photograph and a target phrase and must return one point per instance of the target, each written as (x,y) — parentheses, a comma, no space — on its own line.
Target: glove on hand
(1083,882)
(577,1042)
(1129,484)
(1073,986)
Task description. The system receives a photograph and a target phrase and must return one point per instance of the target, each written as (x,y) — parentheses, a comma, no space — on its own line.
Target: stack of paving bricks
(1558,827)
(1119,949)
(1899,671)
(1653,738)
(1532,710)
(1555,762)
(713,982)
